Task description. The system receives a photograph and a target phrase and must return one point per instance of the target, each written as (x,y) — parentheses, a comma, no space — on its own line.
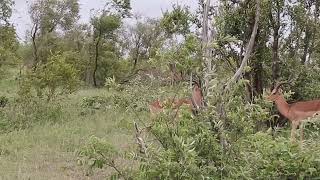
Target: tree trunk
(258,68)
(136,58)
(35,49)
(275,54)
(96,61)
(306,45)
(205,47)
(275,23)
(97,57)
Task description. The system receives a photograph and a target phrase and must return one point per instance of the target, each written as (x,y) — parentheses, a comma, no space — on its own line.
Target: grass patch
(47,151)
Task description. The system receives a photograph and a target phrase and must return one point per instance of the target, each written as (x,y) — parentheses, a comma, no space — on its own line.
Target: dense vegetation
(74,97)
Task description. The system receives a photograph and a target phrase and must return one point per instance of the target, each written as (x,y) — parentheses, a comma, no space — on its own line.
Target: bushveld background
(74,96)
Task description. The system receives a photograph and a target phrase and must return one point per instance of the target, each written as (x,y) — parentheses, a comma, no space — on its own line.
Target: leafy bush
(95,102)
(98,153)
(111,84)
(54,78)
(260,156)
(95,152)
(191,147)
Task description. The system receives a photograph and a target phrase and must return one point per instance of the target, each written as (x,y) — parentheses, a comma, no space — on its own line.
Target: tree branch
(249,48)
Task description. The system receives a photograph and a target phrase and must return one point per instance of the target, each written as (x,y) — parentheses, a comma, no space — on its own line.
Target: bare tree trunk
(205,47)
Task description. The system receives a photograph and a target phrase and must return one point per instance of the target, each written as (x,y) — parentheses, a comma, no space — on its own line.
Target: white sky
(149,8)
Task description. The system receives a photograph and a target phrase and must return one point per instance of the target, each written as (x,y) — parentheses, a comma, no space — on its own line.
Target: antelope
(194,103)
(297,113)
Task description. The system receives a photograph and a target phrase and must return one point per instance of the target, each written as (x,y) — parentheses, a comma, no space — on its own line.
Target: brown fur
(194,103)
(295,112)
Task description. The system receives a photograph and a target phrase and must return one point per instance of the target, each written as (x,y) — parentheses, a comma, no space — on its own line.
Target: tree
(48,16)
(275,10)
(178,21)
(142,40)
(5,11)
(207,61)
(51,15)
(104,27)
(8,40)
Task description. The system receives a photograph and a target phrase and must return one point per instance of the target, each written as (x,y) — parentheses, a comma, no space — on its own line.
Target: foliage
(110,65)
(57,77)
(8,41)
(142,40)
(123,7)
(94,102)
(111,84)
(53,14)
(186,56)
(96,153)
(5,11)
(178,21)
(105,25)
(26,113)
(261,156)
(189,150)
(230,138)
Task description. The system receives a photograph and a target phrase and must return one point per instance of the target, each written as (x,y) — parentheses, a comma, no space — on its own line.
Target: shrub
(260,156)
(95,102)
(98,153)
(52,79)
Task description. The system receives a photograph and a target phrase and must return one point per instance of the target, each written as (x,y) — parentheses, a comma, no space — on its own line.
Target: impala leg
(301,127)
(294,126)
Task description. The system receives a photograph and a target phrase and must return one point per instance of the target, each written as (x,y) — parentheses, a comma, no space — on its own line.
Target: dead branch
(249,48)
(140,141)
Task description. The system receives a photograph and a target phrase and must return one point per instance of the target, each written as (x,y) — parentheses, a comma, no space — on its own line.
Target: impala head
(276,92)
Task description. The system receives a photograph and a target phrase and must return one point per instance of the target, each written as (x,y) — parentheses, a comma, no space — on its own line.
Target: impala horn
(279,84)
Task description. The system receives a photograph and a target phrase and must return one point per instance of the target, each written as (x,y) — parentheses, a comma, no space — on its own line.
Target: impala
(194,103)
(297,112)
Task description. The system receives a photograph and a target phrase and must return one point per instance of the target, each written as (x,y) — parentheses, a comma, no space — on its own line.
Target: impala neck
(282,106)
(197,99)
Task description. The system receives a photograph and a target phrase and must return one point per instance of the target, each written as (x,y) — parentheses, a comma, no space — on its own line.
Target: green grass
(48,151)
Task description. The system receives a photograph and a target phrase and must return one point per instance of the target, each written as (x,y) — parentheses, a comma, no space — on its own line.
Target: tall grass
(46,150)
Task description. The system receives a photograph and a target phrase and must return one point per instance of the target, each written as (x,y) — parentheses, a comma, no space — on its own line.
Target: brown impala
(295,112)
(194,103)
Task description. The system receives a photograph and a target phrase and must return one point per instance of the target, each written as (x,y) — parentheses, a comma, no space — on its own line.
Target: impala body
(194,103)
(295,112)
(157,106)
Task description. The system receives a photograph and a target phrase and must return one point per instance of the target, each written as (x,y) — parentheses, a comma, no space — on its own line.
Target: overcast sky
(149,8)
